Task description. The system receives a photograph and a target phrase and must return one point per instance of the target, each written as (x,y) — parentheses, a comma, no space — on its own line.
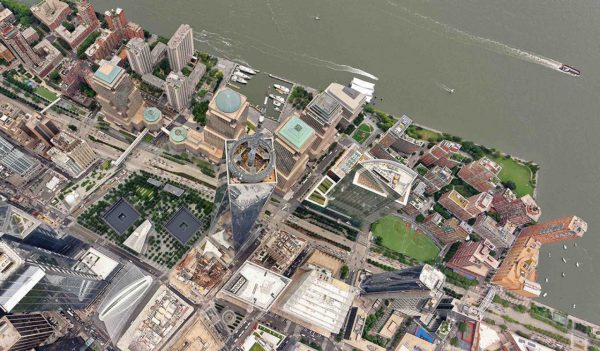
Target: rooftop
(296,132)
(256,285)
(107,72)
(178,134)
(228,101)
(151,114)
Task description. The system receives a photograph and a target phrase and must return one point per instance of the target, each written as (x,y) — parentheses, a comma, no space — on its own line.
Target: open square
(120,216)
(399,236)
(183,225)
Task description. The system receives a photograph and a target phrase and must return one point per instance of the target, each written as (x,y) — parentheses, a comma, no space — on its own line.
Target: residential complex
(474,259)
(481,174)
(180,47)
(465,208)
(139,56)
(441,154)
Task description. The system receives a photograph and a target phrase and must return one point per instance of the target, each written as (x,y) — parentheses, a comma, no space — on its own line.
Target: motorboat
(239,79)
(277,98)
(577,264)
(547,280)
(563,274)
(545,294)
(564,247)
(242,75)
(317,18)
(276,103)
(564,260)
(247,70)
(570,70)
(281,88)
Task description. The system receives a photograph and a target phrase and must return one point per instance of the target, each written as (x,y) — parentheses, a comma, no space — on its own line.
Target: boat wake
(468,38)
(225,47)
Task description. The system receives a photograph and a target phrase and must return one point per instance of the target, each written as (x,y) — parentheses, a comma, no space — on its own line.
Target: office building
(411,342)
(16,222)
(72,154)
(292,141)
(43,129)
(182,138)
(517,272)
(251,179)
(226,118)
(446,230)
(500,235)
(560,229)
(465,208)
(13,38)
(16,161)
(474,259)
(52,13)
(518,211)
(139,56)
(39,280)
(519,343)
(119,98)
(255,286)
(412,290)
(24,332)
(371,186)
(180,47)
(481,174)
(322,114)
(441,154)
(351,101)
(436,178)
(319,302)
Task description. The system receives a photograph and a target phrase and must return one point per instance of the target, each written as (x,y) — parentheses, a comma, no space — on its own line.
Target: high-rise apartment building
(518,211)
(436,178)
(118,96)
(446,230)
(322,114)
(292,141)
(481,174)
(564,228)
(441,154)
(117,22)
(474,260)
(139,56)
(517,272)
(226,118)
(180,47)
(465,208)
(13,38)
(412,290)
(24,332)
(500,235)
(38,280)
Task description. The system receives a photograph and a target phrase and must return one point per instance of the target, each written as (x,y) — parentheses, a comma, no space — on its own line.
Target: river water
(498,55)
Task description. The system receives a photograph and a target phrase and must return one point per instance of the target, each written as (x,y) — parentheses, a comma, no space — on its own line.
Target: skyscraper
(180,47)
(412,289)
(139,56)
(251,178)
(23,332)
(13,38)
(292,141)
(178,91)
(369,187)
(37,280)
(116,21)
(226,117)
(517,272)
(119,98)
(564,228)
(322,114)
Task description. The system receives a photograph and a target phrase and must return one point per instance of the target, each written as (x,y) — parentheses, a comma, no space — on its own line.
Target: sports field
(398,236)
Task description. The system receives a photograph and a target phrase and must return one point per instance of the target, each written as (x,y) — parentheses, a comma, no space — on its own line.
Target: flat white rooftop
(256,285)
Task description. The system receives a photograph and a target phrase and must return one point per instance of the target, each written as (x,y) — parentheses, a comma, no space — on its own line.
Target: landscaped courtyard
(518,173)
(399,236)
(362,133)
(152,202)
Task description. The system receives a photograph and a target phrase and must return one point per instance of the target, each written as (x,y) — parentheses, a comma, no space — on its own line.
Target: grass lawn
(398,235)
(423,134)
(45,93)
(362,133)
(518,173)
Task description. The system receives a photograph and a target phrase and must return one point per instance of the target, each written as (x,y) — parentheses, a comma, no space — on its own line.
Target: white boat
(549,255)
(574,305)
(277,98)
(277,109)
(564,260)
(546,280)
(563,274)
(574,244)
(545,294)
(577,264)
(564,247)
(239,79)
(281,88)
(317,18)
(276,103)
(247,69)
(242,75)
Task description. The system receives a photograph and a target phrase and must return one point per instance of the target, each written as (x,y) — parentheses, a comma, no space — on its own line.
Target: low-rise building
(7,16)
(446,230)
(436,178)
(71,153)
(441,154)
(465,208)
(481,174)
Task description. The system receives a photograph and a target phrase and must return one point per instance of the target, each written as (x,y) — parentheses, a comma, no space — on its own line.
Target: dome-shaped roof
(151,114)
(178,134)
(228,101)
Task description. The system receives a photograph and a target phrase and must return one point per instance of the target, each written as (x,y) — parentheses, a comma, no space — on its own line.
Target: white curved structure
(395,175)
(137,239)
(125,298)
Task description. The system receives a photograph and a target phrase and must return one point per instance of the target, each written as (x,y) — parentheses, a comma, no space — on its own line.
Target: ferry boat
(242,75)
(570,70)
(247,70)
(281,88)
